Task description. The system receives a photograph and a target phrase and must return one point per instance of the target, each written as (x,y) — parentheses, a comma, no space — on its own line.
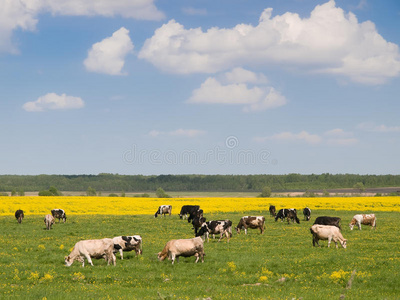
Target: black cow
(282,213)
(19,215)
(187,209)
(307,214)
(272,210)
(292,215)
(59,214)
(324,220)
(195,214)
(197,223)
(221,227)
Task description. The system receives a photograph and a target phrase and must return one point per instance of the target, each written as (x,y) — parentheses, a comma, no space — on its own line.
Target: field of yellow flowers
(143,206)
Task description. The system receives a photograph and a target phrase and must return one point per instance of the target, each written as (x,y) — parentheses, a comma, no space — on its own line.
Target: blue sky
(199,87)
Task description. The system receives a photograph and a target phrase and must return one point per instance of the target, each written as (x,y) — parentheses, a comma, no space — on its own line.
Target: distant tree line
(240,183)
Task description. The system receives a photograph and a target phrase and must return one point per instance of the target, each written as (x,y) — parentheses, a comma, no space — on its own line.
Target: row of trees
(139,183)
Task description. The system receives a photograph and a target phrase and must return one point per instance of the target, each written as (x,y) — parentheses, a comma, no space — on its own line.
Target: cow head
(344,243)
(161,256)
(203,230)
(68,261)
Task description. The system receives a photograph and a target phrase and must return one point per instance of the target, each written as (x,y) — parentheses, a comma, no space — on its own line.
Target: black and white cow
(187,210)
(282,213)
(59,214)
(19,215)
(324,220)
(221,227)
(163,210)
(272,210)
(307,214)
(197,223)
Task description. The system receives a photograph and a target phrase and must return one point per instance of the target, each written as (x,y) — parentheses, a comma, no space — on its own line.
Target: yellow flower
(41,247)
(338,276)
(48,276)
(34,276)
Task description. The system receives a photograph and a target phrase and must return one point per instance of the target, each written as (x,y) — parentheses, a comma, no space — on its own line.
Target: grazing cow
(49,221)
(195,214)
(292,215)
(59,214)
(251,222)
(19,215)
(221,227)
(92,249)
(324,220)
(187,209)
(272,210)
(183,247)
(128,243)
(163,210)
(282,213)
(307,214)
(197,223)
(363,219)
(327,232)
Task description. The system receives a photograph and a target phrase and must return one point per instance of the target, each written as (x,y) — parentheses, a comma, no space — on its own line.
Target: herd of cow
(324,228)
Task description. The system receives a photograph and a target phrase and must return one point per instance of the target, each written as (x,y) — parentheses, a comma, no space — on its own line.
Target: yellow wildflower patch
(35,205)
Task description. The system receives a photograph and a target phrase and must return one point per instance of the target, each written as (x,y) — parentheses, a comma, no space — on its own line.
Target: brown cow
(363,219)
(251,222)
(183,247)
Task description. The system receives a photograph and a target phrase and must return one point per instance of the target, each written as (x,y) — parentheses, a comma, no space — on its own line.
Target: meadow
(280,264)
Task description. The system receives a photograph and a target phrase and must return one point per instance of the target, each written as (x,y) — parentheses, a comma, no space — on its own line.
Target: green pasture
(280,264)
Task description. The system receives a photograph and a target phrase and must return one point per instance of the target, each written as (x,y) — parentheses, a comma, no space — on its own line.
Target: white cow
(49,221)
(128,243)
(363,219)
(183,247)
(327,232)
(92,248)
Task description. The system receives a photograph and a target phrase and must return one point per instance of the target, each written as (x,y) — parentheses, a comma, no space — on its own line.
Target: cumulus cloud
(233,89)
(24,14)
(328,41)
(52,101)
(108,56)
(189,133)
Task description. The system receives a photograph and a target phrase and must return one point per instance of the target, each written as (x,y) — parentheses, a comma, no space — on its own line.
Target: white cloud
(24,14)
(108,56)
(212,91)
(137,9)
(372,127)
(240,75)
(52,101)
(238,92)
(189,133)
(293,137)
(329,41)
(338,132)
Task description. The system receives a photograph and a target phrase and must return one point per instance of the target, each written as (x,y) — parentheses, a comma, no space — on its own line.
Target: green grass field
(281,264)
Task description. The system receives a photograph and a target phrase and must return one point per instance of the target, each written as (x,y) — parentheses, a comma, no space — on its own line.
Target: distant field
(281,264)
(35,205)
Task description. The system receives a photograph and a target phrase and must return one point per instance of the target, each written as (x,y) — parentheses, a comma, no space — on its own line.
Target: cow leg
(81,259)
(208,237)
(173,258)
(197,257)
(359,225)
(121,253)
(329,241)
